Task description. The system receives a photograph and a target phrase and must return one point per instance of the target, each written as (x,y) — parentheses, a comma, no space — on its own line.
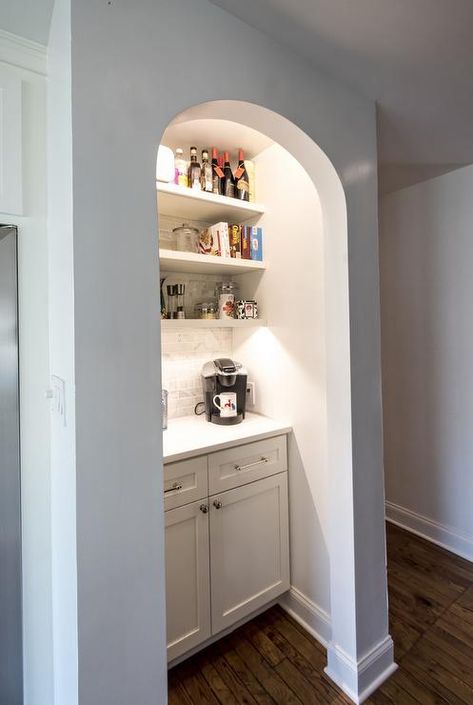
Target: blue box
(256,244)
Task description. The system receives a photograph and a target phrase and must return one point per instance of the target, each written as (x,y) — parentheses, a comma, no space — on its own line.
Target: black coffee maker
(224,386)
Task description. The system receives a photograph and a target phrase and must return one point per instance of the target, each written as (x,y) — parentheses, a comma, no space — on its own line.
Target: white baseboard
(359,679)
(309,615)
(447,537)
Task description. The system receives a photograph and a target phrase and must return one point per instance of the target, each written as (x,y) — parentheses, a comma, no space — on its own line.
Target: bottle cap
(193,150)
(226,156)
(179,151)
(214,153)
(205,153)
(241,155)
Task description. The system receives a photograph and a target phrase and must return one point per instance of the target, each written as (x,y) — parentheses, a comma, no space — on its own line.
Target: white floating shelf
(190,204)
(193,263)
(206,323)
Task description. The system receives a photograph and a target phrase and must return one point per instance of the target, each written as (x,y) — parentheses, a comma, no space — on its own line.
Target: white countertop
(194,435)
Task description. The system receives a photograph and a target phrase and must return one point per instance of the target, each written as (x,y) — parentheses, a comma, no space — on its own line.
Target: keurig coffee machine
(224,386)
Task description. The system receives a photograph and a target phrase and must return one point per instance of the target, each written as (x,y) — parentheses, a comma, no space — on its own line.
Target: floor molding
(309,615)
(445,536)
(360,679)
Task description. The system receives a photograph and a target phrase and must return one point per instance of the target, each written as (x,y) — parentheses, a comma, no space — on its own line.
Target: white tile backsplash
(184,352)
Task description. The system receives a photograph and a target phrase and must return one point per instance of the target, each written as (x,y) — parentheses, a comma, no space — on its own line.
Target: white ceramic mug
(227,405)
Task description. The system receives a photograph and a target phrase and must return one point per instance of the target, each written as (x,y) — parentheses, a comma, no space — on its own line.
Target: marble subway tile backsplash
(184,352)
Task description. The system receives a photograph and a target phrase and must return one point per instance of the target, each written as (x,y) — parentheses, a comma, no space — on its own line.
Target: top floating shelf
(190,204)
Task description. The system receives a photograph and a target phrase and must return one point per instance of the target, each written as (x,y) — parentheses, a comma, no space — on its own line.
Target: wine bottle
(206,173)
(217,173)
(242,182)
(194,171)
(228,179)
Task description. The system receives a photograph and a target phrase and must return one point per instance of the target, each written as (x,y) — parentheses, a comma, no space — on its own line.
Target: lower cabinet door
(249,548)
(187,577)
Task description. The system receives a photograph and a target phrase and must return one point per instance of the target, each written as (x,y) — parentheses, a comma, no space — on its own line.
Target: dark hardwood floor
(273,660)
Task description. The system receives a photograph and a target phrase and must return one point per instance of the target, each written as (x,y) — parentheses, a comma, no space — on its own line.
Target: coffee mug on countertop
(227,405)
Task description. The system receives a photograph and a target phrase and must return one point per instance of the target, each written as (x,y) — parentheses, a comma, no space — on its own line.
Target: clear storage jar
(187,238)
(227,294)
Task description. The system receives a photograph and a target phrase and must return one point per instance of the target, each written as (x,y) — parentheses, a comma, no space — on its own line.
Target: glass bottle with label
(194,171)
(217,173)
(242,182)
(228,180)
(206,173)
(181,167)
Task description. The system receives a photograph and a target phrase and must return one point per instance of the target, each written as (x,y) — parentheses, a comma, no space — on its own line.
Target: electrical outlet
(250,393)
(57,395)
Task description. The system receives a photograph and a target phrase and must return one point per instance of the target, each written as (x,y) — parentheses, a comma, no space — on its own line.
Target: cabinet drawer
(246,463)
(185,481)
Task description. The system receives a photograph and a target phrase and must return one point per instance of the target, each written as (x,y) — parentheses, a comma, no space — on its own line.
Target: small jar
(206,310)
(187,238)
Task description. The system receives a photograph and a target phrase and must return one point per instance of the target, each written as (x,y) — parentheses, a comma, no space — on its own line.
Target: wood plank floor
(272,660)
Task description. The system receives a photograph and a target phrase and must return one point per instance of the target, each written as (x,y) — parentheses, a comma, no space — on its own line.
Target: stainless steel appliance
(224,386)
(11,667)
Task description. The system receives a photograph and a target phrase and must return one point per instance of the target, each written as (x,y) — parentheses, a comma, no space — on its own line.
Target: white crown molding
(23,53)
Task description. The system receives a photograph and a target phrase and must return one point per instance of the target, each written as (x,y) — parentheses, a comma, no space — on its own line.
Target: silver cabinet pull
(217,504)
(204,508)
(251,465)
(174,487)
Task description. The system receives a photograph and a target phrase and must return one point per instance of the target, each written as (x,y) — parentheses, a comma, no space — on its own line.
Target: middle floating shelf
(193,263)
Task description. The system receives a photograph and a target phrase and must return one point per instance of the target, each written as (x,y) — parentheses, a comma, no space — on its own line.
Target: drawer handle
(176,486)
(252,465)
(218,504)
(204,508)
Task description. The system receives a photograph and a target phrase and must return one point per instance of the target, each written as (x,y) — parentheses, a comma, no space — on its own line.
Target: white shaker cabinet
(249,549)
(187,577)
(227,554)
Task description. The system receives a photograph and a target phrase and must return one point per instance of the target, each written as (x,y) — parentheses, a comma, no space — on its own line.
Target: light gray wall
(134,66)
(426,248)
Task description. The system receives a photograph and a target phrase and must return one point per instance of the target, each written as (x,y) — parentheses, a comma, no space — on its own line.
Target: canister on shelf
(187,238)
(227,293)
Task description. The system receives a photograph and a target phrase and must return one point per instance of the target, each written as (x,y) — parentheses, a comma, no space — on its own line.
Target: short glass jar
(206,310)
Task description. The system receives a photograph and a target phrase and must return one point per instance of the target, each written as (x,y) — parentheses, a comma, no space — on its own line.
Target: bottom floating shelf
(217,323)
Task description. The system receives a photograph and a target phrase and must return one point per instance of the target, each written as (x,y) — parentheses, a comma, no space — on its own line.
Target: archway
(340,628)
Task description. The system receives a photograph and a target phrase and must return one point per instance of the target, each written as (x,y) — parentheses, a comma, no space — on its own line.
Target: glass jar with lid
(227,293)
(187,238)
(206,310)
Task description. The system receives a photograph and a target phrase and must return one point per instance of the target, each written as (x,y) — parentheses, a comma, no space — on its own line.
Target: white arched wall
(356,673)
(123,96)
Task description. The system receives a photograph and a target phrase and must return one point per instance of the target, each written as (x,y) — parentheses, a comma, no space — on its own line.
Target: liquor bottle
(181,167)
(193,175)
(217,173)
(242,182)
(228,181)
(206,173)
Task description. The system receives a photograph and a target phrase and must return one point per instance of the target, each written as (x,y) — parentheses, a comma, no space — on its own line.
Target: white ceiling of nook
(414,58)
